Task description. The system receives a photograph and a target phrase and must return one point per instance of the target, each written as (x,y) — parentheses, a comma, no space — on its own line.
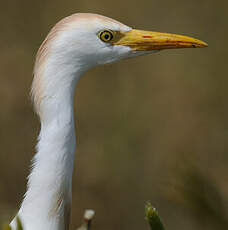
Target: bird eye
(106,35)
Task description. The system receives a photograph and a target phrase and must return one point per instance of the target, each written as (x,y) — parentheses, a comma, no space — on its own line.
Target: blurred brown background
(151,128)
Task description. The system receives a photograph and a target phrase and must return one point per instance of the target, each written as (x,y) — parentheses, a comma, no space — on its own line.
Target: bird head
(93,39)
(82,41)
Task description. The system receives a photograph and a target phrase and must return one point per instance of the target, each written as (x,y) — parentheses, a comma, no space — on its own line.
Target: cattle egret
(74,45)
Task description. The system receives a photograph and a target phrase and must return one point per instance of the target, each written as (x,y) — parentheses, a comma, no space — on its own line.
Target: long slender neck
(47,202)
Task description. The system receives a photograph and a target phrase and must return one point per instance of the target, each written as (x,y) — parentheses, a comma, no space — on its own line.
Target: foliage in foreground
(19,225)
(151,216)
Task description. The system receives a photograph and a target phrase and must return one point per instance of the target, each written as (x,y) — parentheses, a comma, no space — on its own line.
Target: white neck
(47,202)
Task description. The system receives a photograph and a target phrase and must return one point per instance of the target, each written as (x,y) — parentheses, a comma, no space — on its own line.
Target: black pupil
(107,36)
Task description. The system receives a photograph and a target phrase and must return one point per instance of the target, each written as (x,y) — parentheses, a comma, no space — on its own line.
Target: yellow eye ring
(106,35)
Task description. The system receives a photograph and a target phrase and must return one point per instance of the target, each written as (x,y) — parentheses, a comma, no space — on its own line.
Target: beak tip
(205,44)
(201,44)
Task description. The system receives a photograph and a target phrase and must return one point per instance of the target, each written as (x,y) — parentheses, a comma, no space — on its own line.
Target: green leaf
(6,227)
(19,224)
(153,218)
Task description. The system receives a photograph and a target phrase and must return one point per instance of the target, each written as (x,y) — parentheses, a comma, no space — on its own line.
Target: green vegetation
(151,216)
(19,225)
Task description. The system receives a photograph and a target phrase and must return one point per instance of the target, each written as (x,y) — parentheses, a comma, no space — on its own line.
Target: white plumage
(74,45)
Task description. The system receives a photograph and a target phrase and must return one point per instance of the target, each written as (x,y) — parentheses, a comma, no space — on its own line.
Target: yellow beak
(147,40)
